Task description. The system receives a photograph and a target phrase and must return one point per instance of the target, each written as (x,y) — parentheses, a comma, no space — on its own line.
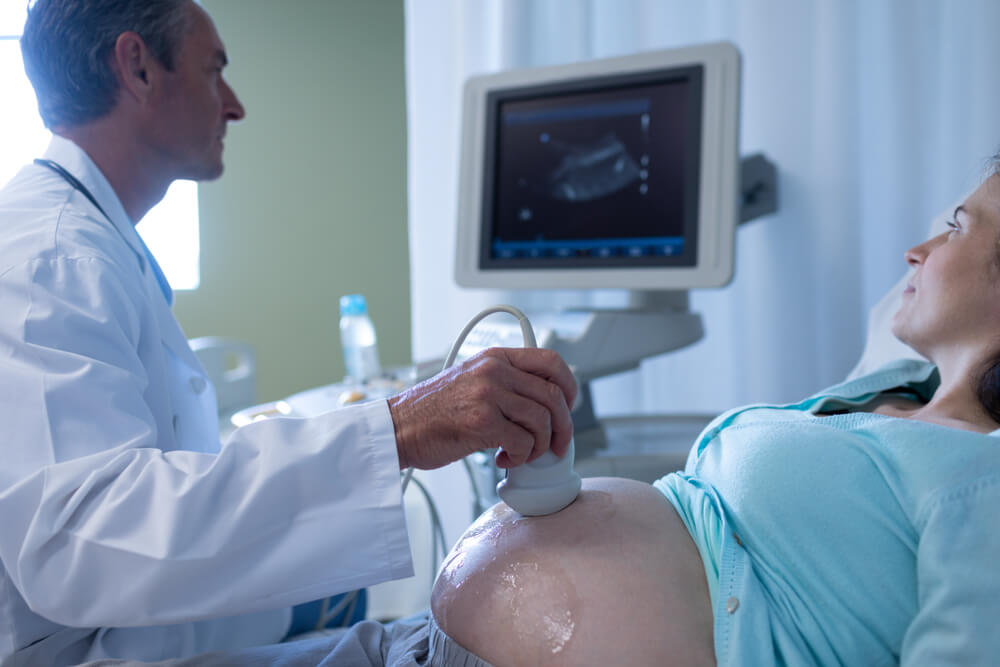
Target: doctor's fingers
(555,418)
(544,364)
(537,374)
(526,432)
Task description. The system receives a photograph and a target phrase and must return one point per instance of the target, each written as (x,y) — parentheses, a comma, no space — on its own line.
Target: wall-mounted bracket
(758,187)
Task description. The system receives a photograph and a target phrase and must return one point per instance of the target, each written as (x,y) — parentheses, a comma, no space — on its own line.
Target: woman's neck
(956,402)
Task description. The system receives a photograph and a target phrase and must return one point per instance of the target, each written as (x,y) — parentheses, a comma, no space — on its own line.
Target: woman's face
(952,302)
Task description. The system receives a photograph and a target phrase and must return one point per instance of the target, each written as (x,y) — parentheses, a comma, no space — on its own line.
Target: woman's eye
(952,226)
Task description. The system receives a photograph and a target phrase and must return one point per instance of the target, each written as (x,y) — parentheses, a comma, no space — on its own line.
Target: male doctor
(125,529)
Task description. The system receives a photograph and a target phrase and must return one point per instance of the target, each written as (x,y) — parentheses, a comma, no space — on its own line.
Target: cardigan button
(732,604)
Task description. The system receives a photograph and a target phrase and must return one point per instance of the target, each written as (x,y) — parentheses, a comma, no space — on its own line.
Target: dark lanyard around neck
(72,180)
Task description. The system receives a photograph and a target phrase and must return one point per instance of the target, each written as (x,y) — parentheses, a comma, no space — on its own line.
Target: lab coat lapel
(77,162)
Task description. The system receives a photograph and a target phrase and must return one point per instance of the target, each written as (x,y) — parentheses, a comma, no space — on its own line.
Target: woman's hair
(67,46)
(988,386)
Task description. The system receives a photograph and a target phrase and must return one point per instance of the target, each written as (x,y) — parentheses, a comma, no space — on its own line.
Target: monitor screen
(610,173)
(597,173)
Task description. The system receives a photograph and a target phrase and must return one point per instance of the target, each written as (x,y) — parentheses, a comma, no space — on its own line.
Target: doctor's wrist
(395,410)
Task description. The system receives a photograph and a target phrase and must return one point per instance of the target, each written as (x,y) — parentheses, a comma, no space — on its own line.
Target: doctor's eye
(953,226)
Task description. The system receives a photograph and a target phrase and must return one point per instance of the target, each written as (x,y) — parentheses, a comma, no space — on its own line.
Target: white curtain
(879,115)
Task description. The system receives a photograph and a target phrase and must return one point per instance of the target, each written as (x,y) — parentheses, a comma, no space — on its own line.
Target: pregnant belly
(612,579)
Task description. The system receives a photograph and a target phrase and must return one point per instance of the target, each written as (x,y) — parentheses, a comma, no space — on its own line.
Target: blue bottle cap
(353,304)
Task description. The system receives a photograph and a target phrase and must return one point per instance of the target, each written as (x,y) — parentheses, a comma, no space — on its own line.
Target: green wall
(313,201)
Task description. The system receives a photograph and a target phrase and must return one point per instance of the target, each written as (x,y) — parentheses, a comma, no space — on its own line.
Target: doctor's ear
(132,62)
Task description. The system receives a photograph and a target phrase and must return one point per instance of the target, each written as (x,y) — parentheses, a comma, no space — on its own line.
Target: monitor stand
(617,340)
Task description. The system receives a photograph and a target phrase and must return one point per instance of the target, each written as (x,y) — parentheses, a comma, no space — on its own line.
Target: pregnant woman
(859,526)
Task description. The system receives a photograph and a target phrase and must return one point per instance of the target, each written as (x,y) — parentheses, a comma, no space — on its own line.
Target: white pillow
(881,346)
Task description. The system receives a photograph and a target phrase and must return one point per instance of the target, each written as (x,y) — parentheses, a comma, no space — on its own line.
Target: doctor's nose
(232,108)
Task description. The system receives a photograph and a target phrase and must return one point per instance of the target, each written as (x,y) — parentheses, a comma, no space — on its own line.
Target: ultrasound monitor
(615,173)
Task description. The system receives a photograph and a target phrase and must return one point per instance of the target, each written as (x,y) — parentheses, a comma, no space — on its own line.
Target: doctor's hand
(517,399)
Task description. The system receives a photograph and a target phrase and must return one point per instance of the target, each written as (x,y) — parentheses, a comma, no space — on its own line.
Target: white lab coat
(124,528)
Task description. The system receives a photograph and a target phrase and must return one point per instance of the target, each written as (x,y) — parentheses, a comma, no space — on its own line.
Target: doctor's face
(952,301)
(195,104)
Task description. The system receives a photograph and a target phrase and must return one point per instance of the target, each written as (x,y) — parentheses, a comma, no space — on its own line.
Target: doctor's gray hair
(67,46)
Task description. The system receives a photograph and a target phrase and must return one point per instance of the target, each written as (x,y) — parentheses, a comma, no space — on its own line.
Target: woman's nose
(918,254)
(912,257)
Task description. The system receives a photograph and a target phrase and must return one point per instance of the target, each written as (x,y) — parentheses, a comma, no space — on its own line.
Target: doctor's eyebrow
(958,209)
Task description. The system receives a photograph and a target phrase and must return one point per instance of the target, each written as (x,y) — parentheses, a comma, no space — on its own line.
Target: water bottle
(357,337)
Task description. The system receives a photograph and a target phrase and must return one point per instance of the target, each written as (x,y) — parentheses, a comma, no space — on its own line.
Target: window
(170,229)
